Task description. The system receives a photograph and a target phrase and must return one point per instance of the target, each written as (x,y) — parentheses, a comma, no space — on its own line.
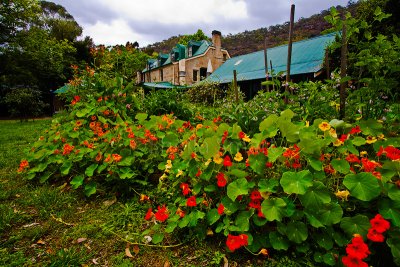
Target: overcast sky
(114,22)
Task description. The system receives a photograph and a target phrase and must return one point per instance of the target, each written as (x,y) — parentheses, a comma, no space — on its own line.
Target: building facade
(186,65)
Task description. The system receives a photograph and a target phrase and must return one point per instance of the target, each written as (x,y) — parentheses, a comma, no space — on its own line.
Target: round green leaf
(257,163)
(237,188)
(324,240)
(90,189)
(390,209)
(296,182)
(297,232)
(77,181)
(213,216)
(329,259)
(363,186)
(358,224)
(278,241)
(157,238)
(273,209)
(341,165)
(316,195)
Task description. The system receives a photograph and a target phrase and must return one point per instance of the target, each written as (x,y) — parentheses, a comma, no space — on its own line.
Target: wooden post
(272,78)
(328,69)
(289,58)
(235,86)
(343,70)
(266,61)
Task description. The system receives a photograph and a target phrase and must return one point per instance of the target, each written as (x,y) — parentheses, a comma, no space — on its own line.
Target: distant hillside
(250,41)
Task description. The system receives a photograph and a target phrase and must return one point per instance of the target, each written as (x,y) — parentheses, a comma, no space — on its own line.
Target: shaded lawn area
(53,225)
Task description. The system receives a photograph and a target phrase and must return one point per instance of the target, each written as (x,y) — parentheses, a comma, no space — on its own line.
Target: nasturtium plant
(293,184)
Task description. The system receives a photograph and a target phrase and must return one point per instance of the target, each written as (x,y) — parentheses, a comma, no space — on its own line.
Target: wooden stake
(235,86)
(289,58)
(343,70)
(266,61)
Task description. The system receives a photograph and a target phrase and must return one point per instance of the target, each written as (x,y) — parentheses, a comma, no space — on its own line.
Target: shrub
(206,93)
(25,103)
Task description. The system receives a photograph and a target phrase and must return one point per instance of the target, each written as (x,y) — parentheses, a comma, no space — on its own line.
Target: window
(161,75)
(195,73)
(203,73)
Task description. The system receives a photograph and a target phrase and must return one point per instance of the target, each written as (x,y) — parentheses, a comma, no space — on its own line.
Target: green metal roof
(182,50)
(307,57)
(62,89)
(161,85)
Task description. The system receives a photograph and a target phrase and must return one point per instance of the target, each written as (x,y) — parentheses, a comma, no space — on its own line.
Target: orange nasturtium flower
(116,157)
(23,165)
(324,126)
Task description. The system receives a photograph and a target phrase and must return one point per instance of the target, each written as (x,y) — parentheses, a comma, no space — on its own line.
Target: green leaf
(394,244)
(170,139)
(242,221)
(358,141)
(330,214)
(324,240)
(171,227)
(212,216)
(230,206)
(237,188)
(287,114)
(341,165)
(358,224)
(278,241)
(90,170)
(90,189)
(210,147)
(141,117)
(268,185)
(268,122)
(390,210)
(274,209)
(158,238)
(66,167)
(296,231)
(329,259)
(316,196)
(296,182)
(274,153)
(316,164)
(77,181)
(393,192)
(210,188)
(238,173)
(363,186)
(257,163)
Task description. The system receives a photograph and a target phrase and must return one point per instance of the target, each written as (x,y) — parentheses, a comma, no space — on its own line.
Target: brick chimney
(216,40)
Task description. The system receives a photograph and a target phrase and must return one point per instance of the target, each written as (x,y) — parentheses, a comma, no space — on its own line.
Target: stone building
(186,65)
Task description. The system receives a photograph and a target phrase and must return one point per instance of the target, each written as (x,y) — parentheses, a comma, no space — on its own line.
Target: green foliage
(205,93)
(166,102)
(198,36)
(24,103)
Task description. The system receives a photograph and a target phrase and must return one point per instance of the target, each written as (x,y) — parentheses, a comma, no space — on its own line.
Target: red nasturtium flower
(221,181)
(379,224)
(351,158)
(355,130)
(357,248)
(242,135)
(161,214)
(234,242)
(149,214)
(227,161)
(375,236)
(185,188)
(351,261)
(191,201)
(199,172)
(221,209)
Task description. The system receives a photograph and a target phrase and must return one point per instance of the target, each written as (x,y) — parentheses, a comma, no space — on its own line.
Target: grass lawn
(52,225)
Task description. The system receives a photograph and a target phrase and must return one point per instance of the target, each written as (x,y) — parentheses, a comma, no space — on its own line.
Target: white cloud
(115,32)
(179,11)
